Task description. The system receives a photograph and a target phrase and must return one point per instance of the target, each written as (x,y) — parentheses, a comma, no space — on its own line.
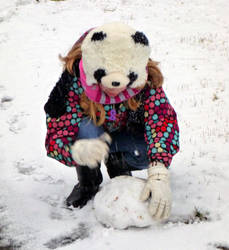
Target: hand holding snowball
(157,189)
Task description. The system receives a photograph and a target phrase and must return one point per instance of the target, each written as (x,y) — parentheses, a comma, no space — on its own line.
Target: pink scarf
(95,93)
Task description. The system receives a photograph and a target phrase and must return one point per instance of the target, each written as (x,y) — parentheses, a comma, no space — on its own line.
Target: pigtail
(74,54)
(155,77)
(92,109)
(133,104)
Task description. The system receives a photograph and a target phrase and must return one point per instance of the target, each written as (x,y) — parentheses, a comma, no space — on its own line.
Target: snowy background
(190,39)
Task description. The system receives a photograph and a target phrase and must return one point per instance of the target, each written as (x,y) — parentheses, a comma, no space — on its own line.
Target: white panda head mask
(116,56)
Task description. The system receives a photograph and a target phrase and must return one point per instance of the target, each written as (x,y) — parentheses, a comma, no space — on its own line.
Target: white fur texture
(90,152)
(117,54)
(118,204)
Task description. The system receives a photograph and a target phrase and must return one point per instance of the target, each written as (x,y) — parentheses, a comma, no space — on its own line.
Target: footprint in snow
(6,242)
(5,102)
(36,171)
(79,233)
(17,122)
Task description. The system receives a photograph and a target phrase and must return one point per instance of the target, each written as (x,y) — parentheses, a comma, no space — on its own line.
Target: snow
(118,204)
(190,39)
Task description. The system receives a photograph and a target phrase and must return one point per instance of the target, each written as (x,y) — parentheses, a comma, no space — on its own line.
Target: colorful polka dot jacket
(155,116)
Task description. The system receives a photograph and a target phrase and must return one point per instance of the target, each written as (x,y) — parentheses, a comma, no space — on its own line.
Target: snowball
(118,204)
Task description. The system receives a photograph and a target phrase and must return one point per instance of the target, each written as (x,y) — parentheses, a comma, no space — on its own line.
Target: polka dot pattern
(62,131)
(162,132)
(156,115)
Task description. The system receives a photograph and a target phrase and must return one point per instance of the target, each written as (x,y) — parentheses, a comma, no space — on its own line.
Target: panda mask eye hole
(140,37)
(133,77)
(98,36)
(99,74)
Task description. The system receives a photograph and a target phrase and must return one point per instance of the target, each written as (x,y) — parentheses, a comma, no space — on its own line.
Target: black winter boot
(116,165)
(88,186)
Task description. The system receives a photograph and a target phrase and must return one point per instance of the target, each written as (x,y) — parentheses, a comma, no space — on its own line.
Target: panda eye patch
(132,76)
(139,37)
(98,36)
(98,74)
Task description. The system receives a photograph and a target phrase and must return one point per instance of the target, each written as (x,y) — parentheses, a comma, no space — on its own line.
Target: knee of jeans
(136,164)
(88,129)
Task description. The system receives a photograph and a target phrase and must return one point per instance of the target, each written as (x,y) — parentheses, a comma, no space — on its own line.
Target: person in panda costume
(109,105)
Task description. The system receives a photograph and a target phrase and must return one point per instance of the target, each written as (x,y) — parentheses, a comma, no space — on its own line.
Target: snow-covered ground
(190,39)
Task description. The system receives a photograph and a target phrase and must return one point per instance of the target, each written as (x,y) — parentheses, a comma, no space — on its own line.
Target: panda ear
(98,36)
(140,37)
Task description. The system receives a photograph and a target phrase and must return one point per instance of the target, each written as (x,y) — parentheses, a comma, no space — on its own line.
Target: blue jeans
(133,147)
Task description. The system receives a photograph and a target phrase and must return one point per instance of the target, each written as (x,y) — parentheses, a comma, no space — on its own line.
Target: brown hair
(96,110)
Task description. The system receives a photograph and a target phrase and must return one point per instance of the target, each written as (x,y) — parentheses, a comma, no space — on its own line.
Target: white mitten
(90,152)
(158,187)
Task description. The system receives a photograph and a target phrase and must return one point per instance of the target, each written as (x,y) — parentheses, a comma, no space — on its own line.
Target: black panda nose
(115,84)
